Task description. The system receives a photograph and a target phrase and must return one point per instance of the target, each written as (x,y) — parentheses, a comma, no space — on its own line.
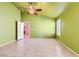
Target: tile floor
(36,47)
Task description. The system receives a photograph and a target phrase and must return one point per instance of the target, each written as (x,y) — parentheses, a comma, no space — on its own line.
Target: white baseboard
(7,43)
(69,48)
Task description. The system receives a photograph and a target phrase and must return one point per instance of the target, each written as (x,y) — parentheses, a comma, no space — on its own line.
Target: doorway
(23,30)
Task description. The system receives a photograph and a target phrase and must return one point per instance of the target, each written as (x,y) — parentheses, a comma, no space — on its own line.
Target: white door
(20,30)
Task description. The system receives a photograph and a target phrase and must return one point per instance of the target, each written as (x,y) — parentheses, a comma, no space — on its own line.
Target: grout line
(69,48)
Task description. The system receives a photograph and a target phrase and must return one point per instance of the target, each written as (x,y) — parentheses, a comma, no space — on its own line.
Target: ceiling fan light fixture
(30,9)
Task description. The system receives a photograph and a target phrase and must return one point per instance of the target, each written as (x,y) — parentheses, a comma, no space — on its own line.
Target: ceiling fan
(30,9)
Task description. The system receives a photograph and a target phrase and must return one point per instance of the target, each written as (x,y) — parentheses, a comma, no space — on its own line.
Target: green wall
(40,26)
(9,14)
(44,24)
(70,27)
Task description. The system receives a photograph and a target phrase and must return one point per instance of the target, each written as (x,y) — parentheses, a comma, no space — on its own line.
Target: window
(58,29)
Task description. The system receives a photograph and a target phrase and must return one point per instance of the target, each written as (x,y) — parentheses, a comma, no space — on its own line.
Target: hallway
(36,47)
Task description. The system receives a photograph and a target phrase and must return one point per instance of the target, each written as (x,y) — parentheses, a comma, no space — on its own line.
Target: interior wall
(9,14)
(40,26)
(70,26)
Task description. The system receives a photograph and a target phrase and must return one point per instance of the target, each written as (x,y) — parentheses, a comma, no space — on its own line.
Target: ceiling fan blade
(38,9)
(30,9)
(35,13)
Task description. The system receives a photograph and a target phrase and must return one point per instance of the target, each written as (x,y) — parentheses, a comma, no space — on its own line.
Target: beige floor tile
(36,47)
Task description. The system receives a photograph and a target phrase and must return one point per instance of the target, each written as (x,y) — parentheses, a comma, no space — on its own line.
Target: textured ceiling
(49,9)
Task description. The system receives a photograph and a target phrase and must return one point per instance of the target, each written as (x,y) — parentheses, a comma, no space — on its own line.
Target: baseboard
(7,43)
(69,48)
